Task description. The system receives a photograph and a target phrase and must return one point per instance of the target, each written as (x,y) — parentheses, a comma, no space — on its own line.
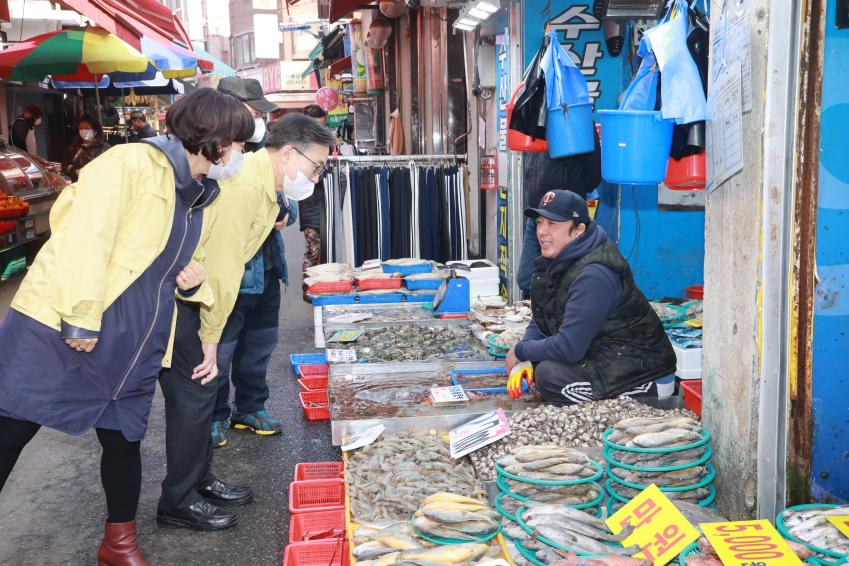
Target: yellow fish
(450,554)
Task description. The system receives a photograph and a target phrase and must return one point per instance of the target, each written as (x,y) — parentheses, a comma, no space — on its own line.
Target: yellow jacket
(243,214)
(106,229)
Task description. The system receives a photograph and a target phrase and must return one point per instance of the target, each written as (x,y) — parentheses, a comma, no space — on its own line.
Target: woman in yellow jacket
(85,338)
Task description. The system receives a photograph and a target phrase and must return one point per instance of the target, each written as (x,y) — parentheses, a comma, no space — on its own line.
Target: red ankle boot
(119,546)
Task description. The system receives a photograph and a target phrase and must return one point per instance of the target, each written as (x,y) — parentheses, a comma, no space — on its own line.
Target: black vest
(630,349)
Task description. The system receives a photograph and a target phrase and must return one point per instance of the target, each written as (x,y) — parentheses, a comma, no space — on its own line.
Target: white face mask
(299,189)
(87,135)
(219,171)
(259,130)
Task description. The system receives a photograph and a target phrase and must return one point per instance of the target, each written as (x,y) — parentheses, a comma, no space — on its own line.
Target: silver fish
(665,438)
(371,549)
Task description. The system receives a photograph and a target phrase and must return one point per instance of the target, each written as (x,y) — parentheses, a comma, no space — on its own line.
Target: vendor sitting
(593,334)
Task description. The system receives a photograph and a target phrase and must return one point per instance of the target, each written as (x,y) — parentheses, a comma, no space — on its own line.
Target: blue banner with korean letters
(502,75)
(582,36)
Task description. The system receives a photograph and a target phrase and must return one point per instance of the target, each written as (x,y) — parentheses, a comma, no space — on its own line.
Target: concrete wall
(732,284)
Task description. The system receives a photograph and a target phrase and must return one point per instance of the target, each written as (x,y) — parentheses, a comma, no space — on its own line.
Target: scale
(453,298)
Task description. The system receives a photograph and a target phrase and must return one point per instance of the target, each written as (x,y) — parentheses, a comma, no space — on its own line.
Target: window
(243,50)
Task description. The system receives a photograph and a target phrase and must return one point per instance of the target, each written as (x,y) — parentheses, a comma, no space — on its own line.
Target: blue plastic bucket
(635,146)
(570,132)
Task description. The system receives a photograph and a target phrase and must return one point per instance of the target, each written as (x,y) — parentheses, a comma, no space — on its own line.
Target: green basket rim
(706,481)
(527,553)
(599,473)
(505,490)
(606,434)
(616,495)
(521,522)
(703,459)
(688,550)
(450,541)
(500,508)
(785,532)
(497,346)
(494,353)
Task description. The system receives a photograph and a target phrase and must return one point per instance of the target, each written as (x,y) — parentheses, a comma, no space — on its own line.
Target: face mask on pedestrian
(221,171)
(86,135)
(299,189)
(259,130)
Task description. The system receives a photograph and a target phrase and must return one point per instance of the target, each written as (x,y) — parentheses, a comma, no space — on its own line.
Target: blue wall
(669,252)
(830,458)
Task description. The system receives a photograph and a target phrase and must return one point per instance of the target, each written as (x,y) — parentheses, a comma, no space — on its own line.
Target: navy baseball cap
(561,206)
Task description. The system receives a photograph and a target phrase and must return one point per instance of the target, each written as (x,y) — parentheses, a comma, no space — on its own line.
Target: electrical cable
(635,252)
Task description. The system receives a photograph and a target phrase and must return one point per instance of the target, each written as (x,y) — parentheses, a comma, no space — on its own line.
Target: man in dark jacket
(23,128)
(139,128)
(593,334)
(580,174)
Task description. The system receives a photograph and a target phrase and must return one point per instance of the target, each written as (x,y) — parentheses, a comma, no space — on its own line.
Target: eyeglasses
(320,168)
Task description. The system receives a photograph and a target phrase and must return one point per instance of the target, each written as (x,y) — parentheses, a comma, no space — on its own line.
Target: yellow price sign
(842,523)
(749,543)
(660,530)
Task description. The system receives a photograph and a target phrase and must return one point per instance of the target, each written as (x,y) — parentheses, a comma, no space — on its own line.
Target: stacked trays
(795,524)
(671,452)
(547,475)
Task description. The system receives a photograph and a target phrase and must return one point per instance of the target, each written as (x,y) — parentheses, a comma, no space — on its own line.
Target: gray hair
(299,131)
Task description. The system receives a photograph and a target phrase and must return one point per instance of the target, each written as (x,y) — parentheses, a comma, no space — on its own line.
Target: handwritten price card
(660,530)
(749,543)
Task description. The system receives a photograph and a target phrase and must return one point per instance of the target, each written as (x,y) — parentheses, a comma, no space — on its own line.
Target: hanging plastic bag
(569,122)
(681,86)
(641,94)
(529,111)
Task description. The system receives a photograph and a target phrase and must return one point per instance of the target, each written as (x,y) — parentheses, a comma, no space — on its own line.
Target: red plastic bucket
(517,141)
(696,292)
(686,174)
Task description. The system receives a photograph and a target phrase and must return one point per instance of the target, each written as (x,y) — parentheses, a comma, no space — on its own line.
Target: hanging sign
(502,70)
(749,543)
(660,530)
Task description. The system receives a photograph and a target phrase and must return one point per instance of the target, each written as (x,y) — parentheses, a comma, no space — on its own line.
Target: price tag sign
(749,543)
(477,433)
(346,336)
(660,530)
(842,523)
(448,395)
(341,356)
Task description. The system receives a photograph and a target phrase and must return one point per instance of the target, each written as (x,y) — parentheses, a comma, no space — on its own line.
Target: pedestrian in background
(23,128)
(95,309)
(85,147)
(312,211)
(139,128)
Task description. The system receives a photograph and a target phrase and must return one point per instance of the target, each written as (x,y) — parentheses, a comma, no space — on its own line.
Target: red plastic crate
(693,395)
(313,370)
(316,495)
(318,471)
(331,287)
(331,552)
(380,283)
(316,405)
(313,383)
(317,525)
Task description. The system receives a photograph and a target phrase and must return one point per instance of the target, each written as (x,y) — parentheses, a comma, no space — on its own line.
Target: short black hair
(91,121)
(315,111)
(138,115)
(298,130)
(208,121)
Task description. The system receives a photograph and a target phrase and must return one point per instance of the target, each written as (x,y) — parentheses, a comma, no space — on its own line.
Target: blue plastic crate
(457,378)
(327,300)
(412,269)
(421,298)
(298,359)
(423,284)
(381,298)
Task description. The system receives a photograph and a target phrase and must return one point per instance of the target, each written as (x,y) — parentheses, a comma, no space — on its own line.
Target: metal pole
(395,158)
(97,97)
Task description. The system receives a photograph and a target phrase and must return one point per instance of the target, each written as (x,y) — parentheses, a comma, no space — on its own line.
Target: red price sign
(749,543)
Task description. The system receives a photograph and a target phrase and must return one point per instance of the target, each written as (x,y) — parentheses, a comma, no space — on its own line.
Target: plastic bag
(681,86)
(529,113)
(564,83)
(641,94)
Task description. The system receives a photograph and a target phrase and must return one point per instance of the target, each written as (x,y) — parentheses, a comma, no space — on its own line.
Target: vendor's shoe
(219,433)
(119,546)
(220,493)
(202,516)
(259,422)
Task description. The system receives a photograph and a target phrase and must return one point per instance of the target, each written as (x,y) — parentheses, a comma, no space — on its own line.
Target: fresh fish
(696,515)
(397,540)
(564,511)
(545,476)
(506,460)
(457,514)
(566,469)
(444,496)
(665,438)
(547,463)
(547,555)
(432,528)
(533,453)
(625,424)
(664,424)
(793,517)
(580,528)
(451,554)
(653,460)
(371,549)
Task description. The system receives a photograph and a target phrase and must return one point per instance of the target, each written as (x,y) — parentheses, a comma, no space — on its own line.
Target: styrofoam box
(484,281)
(689,362)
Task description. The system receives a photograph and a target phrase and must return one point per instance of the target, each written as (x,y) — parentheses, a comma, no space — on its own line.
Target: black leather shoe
(221,493)
(202,516)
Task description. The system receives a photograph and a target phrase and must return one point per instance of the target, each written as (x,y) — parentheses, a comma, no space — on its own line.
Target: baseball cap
(248,91)
(561,206)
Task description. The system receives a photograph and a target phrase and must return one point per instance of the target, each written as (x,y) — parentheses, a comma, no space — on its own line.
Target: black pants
(246,346)
(188,416)
(120,464)
(563,384)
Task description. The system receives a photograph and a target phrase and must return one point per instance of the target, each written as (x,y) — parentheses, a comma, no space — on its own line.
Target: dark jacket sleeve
(595,293)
